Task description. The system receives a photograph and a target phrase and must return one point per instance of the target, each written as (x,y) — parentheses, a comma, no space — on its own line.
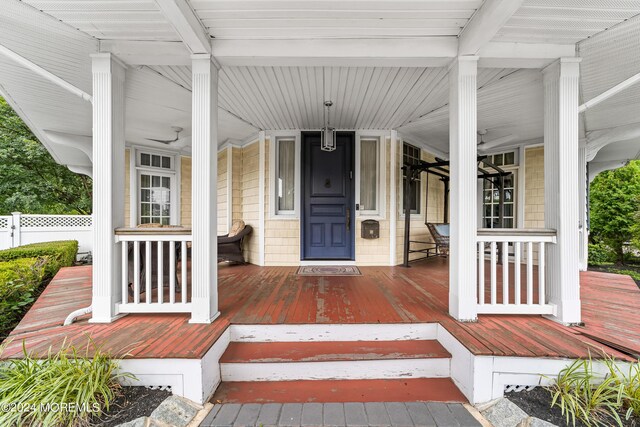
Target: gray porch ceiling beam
(485,24)
(406,52)
(186,24)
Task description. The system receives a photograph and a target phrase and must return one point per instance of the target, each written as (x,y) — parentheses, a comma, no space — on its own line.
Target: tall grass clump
(65,388)
(597,399)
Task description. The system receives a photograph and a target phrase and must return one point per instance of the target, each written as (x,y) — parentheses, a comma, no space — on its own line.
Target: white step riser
(341,370)
(344,332)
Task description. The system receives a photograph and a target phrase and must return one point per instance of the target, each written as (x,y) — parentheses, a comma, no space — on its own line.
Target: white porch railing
(22,229)
(155,270)
(508,283)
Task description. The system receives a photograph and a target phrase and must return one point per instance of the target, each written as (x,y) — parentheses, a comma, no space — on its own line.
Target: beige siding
(376,251)
(250,201)
(236,182)
(282,236)
(223,226)
(127,187)
(185,191)
(534,188)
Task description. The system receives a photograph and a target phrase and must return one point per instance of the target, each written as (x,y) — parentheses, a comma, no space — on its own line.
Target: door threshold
(306,263)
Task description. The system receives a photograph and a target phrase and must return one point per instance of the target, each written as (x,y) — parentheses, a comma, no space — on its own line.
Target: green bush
(60,254)
(63,389)
(20,283)
(599,253)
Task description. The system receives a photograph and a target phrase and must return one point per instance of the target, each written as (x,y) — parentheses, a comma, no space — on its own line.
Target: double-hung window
(156,175)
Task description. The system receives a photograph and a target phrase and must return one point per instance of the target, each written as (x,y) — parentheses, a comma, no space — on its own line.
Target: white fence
(155,270)
(19,229)
(513,285)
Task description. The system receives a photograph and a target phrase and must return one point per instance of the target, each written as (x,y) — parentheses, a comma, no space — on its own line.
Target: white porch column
(561,171)
(108,182)
(204,255)
(583,206)
(463,194)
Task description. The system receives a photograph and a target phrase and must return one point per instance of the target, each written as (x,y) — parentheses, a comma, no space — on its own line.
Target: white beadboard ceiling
(333,18)
(565,21)
(59,35)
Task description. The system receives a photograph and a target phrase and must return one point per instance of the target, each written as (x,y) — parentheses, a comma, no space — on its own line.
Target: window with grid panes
(491,203)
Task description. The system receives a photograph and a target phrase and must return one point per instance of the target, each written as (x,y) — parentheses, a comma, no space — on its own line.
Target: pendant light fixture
(328,134)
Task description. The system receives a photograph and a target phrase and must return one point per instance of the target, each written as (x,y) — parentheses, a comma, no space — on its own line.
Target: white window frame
(135,169)
(380,211)
(423,185)
(274,137)
(519,201)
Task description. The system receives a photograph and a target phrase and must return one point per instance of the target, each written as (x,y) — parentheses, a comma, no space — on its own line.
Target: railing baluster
(183,285)
(125,272)
(147,270)
(136,272)
(505,272)
(494,267)
(529,273)
(516,272)
(172,272)
(160,272)
(481,273)
(541,289)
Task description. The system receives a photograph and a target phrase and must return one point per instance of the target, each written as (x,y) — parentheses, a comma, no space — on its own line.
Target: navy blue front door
(327,203)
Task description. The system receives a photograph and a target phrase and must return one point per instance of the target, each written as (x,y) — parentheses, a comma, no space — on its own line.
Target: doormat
(329,270)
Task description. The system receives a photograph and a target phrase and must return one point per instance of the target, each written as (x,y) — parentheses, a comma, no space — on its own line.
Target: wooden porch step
(271,352)
(324,391)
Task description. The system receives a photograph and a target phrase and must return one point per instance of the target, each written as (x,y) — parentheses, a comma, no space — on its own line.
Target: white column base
(195,319)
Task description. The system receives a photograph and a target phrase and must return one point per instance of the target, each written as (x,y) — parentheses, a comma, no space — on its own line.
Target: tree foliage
(30,179)
(615,208)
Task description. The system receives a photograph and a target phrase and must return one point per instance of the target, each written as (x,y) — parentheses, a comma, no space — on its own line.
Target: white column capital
(106,62)
(562,67)
(467,64)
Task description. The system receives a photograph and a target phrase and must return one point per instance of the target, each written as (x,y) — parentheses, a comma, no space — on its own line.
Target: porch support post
(583,201)
(204,256)
(108,182)
(561,171)
(393,198)
(463,197)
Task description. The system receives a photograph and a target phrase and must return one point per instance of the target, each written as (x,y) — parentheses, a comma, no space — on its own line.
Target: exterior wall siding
(282,236)
(250,201)
(534,188)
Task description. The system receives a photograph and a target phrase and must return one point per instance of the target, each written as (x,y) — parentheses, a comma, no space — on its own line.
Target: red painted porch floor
(274,295)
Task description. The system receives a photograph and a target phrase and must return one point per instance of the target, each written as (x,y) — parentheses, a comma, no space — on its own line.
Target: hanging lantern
(327,134)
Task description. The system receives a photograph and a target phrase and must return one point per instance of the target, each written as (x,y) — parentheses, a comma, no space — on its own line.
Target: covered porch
(253,295)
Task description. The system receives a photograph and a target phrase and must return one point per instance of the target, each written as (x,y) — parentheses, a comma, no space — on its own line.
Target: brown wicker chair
(230,248)
(440,234)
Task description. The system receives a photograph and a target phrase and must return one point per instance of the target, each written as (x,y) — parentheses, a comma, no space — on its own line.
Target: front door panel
(327,230)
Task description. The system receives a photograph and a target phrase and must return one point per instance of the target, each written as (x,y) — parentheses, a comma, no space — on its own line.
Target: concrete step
(283,361)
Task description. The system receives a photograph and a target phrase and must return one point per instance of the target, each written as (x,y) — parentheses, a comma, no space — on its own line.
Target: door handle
(348,219)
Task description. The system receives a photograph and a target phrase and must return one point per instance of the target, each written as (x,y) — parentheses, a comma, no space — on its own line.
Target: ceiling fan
(176,129)
(488,145)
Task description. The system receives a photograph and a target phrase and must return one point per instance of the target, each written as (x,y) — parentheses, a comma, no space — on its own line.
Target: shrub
(60,254)
(82,383)
(20,283)
(599,253)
